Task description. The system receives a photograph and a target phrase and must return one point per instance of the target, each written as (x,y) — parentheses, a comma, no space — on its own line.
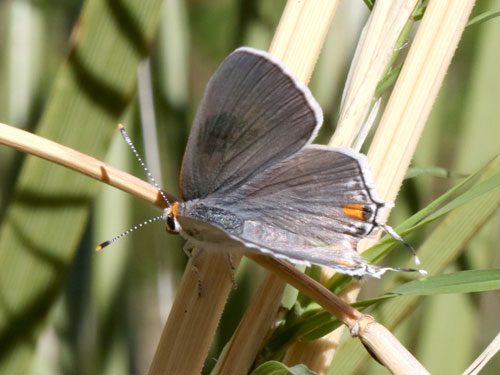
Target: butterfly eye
(171,225)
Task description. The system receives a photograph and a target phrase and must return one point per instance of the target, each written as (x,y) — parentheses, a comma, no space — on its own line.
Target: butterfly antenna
(143,165)
(135,227)
(387,229)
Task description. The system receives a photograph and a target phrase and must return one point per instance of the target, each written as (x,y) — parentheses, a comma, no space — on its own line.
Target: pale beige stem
(301,33)
(67,157)
(318,354)
(415,92)
(194,317)
(373,53)
(482,360)
(311,288)
(241,350)
(387,349)
(382,344)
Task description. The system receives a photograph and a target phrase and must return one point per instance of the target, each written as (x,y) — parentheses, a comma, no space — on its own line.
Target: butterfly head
(170,215)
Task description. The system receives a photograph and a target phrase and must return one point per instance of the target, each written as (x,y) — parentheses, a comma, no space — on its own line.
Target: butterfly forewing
(252,115)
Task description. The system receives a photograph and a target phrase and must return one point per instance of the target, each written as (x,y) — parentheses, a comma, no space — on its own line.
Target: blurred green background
(71,70)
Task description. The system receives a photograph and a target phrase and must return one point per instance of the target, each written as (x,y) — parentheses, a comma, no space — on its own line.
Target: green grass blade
(432,171)
(278,368)
(459,282)
(474,192)
(483,17)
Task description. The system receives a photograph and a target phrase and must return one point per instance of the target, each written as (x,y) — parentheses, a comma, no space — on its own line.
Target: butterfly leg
(232,269)
(194,255)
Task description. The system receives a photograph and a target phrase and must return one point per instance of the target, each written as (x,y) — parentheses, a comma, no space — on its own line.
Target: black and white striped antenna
(151,179)
(135,227)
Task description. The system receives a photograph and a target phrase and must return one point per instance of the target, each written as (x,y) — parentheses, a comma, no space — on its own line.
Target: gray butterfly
(252,182)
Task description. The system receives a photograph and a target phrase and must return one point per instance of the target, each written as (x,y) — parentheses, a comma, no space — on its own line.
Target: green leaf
(388,80)
(460,282)
(369,3)
(474,192)
(278,368)
(432,171)
(323,330)
(419,10)
(483,17)
(361,305)
(298,323)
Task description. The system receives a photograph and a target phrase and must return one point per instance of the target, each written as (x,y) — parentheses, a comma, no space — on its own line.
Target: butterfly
(252,182)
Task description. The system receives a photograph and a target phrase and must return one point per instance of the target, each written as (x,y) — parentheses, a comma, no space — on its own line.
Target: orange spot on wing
(175,209)
(342,263)
(354,210)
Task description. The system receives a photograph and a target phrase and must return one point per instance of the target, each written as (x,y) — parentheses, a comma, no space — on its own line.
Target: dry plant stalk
(481,361)
(241,350)
(67,157)
(375,335)
(373,53)
(415,92)
(382,344)
(301,33)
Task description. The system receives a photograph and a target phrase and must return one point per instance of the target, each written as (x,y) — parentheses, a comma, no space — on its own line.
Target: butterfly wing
(212,237)
(253,114)
(311,208)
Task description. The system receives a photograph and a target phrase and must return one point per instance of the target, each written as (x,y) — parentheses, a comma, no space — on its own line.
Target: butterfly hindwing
(311,208)
(322,195)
